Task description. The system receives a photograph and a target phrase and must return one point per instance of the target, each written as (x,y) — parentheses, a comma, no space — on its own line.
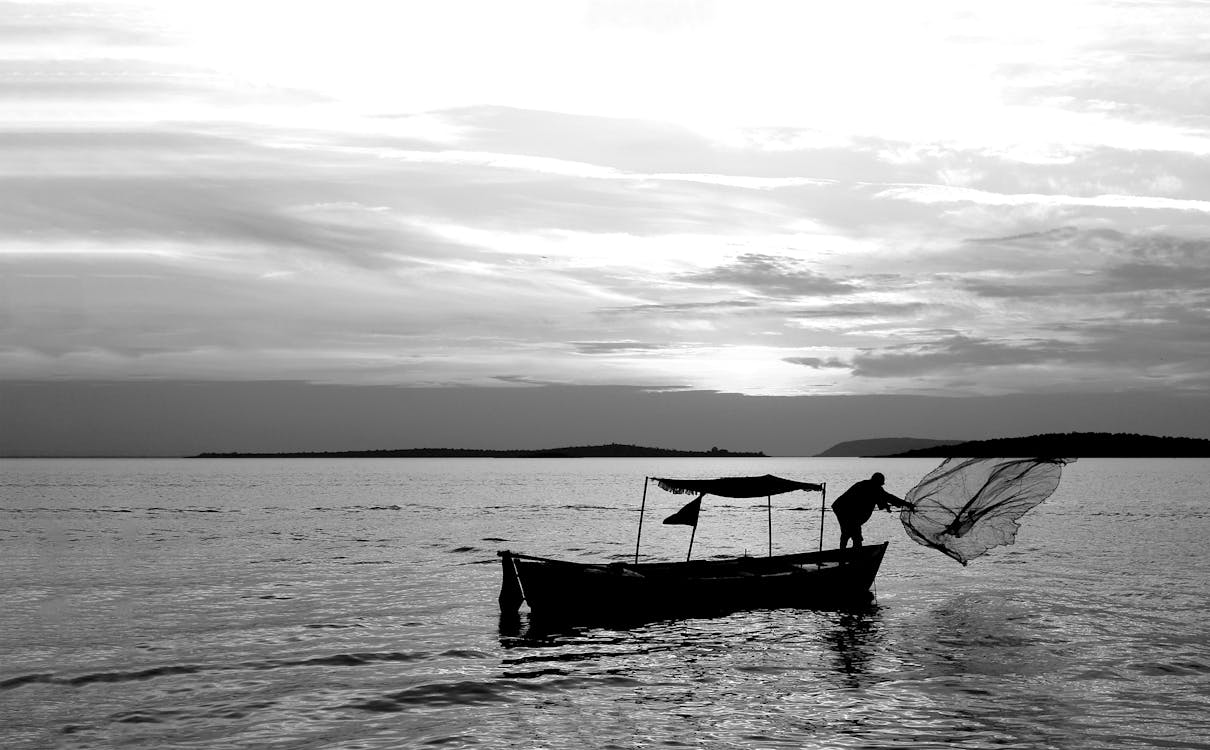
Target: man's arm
(887,500)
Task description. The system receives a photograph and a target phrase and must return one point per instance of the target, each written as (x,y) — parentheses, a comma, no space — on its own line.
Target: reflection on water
(855,640)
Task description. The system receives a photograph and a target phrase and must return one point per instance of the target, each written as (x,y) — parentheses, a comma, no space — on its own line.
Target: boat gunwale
(749,562)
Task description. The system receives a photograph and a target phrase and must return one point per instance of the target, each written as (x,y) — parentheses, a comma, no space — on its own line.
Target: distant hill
(1071,445)
(883,446)
(612,450)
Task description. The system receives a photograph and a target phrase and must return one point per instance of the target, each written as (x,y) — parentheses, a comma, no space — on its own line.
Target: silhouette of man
(856,505)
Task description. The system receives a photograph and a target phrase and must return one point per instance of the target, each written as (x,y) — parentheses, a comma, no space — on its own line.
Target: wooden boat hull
(570,590)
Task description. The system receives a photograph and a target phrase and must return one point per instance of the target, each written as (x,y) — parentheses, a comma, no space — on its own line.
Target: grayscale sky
(774,211)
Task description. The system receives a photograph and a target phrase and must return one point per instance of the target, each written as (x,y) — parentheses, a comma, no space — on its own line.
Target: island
(611,450)
(883,446)
(1069,445)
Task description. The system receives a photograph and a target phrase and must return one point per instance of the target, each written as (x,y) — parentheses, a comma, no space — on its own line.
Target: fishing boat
(618,590)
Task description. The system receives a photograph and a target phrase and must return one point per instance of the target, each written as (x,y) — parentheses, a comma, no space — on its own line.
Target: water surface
(351,604)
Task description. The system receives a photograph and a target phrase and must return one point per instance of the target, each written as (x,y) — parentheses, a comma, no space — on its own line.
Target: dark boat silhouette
(564,590)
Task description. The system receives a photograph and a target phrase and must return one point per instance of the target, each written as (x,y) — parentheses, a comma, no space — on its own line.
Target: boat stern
(511,592)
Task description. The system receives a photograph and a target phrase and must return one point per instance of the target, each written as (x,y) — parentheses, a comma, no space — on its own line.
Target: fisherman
(856,505)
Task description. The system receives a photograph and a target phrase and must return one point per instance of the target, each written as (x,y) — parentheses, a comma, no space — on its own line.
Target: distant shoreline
(612,450)
(1058,445)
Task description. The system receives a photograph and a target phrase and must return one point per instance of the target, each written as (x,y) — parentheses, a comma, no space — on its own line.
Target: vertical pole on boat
(691,535)
(823,502)
(769,504)
(642,508)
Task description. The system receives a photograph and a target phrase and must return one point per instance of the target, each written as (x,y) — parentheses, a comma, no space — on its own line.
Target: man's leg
(844,529)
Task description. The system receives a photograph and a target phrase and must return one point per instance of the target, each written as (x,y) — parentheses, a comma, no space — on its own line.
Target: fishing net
(966,506)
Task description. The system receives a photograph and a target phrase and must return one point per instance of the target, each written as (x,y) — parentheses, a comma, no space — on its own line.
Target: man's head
(877,478)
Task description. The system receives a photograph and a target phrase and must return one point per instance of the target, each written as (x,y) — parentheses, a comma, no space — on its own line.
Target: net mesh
(966,506)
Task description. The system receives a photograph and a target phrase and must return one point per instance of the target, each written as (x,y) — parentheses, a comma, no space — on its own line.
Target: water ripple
(335,660)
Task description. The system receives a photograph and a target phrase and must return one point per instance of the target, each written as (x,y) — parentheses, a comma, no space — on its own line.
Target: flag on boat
(687,516)
(966,506)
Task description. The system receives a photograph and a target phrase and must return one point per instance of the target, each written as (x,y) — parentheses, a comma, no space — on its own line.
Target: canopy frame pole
(642,509)
(691,535)
(769,504)
(823,503)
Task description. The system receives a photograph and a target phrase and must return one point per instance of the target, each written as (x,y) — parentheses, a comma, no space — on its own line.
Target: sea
(351,603)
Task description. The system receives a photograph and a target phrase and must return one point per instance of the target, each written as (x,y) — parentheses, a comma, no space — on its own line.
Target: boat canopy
(763,486)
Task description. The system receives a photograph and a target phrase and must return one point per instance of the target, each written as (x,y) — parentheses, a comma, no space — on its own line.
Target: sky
(692,223)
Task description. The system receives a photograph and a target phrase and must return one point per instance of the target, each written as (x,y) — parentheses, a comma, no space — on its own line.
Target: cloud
(218,219)
(1145,75)
(677,308)
(1134,277)
(583,170)
(1084,264)
(930,194)
(860,310)
(775,276)
(788,157)
(616,347)
(755,157)
(73,25)
(818,363)
(139,87)
(1156,336)
(958,353)
(1166,348)
(176,185)
(1043,288)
